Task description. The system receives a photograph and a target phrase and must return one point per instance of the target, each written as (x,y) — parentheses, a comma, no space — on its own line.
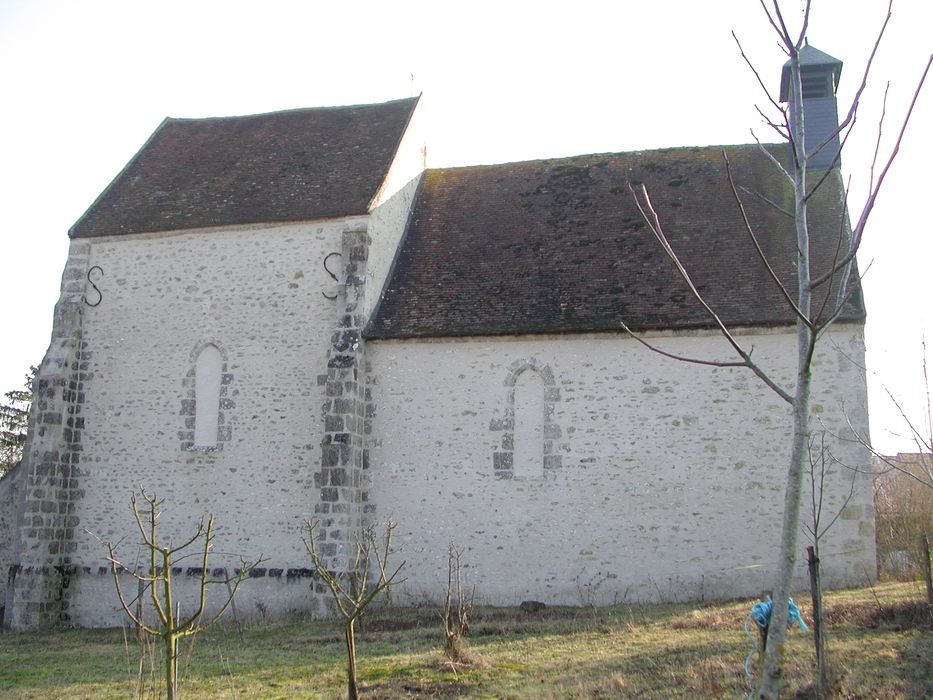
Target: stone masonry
(347,414)
(39,583)
(502,459)
(189,402)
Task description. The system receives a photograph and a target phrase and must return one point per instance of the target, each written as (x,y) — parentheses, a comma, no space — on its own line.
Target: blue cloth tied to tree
(761,613)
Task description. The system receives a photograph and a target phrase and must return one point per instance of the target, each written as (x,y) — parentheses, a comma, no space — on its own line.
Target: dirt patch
(389,690)
(906,615)
(394,624)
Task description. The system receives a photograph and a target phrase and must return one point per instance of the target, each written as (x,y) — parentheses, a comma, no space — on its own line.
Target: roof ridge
(292,110)
(608,154)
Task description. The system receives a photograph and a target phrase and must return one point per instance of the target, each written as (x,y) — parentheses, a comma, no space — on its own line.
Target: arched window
(528,456)
(528,448)
(208,369)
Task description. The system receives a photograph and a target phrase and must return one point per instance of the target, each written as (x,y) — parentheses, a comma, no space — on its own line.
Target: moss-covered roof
(554,246)
(267,168)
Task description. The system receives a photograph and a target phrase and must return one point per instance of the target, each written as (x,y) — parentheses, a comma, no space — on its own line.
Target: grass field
(881,643)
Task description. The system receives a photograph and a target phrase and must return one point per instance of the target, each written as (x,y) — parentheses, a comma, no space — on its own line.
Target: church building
(286,317)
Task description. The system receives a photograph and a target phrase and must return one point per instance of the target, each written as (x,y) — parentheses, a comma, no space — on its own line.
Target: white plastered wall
(391,207)
(410,157)
(386,228)
(671,479)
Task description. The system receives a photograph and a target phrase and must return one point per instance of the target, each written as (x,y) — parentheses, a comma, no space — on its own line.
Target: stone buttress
(344,476)
(44,541)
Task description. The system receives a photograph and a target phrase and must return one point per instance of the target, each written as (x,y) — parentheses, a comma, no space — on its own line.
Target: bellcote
(819,78)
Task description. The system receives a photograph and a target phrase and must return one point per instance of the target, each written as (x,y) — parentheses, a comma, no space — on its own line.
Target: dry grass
(882,639)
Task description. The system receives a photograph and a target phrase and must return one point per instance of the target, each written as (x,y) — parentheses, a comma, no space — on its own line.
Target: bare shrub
(903,512)
(457,610)
(157,577)
(351,590)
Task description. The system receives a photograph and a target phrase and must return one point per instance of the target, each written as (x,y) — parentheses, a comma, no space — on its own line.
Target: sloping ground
(881,641)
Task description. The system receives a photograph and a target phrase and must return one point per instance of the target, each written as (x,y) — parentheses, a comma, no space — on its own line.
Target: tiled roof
(556,246)
(284,166)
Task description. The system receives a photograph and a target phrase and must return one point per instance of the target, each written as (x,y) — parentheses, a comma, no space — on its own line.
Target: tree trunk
(774,652)
(171,664)
(925,563)
(819,642)
(352,692)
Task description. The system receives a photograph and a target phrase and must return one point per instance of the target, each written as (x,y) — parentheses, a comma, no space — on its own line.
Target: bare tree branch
(832,165)
(840,305)
(886,460)
(806,23)
(874,159)
(859,228)
(761,254)
(171,630)
(774,205)
(816,532)
(842,295)
(770,18)
(650,216)
(774,161)
(352,603)
(681,358)
(757,75)
(853,108)
(779,129)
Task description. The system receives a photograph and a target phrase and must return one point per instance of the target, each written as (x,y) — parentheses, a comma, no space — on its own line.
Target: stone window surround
(189,401)
(503,458)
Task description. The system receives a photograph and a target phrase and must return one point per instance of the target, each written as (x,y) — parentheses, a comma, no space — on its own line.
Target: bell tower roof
(819,74)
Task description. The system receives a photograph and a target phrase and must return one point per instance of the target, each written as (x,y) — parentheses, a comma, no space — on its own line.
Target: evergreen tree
(14,421)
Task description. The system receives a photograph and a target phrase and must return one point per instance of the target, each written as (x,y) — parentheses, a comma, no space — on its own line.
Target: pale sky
(85,83)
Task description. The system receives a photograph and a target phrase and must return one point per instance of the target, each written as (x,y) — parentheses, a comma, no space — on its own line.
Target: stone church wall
(571,469)
(254,294)
(656,479)
(255,318)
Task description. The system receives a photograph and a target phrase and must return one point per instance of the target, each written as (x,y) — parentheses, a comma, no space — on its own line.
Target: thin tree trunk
(925,563)
(352,692)
(819,642)
(171,635)
(171,676)
(774,652)
(236,618)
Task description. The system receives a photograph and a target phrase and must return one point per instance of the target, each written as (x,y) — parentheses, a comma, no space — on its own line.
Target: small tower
(819,77)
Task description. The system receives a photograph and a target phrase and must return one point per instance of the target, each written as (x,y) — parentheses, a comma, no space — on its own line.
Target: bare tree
(352,590)
(173,626)
(14,420)
(457,609)
(816,529)
(918,432)
(819,298)
(903,489)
